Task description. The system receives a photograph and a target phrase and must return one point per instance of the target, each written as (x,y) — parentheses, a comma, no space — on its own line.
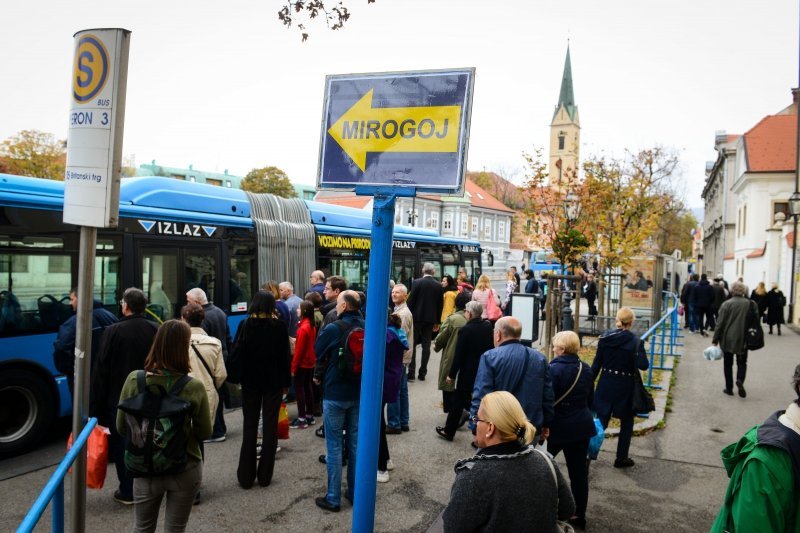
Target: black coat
(215,324)
(262,349)
(775,304)
(760,300)
(123,349)
(474,339)
(619,354)
(425,300)
(573,420)
(704,295)
(687,293)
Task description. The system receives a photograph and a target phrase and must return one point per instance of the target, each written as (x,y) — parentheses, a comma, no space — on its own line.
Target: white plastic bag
(712,353)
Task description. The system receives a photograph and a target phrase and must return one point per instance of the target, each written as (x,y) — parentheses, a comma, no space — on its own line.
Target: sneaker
(299,423)
(124,499)
(389,465)
(218,438)
(383,476)
(323,503)
(311,420)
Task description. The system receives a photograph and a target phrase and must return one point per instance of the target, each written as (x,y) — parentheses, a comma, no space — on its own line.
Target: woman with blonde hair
(486,493)
(511,288)
(759,296)
(776,301)
(483,291)
(619,354)
(573,424)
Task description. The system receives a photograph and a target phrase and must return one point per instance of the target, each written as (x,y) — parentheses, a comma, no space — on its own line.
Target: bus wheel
(26,411)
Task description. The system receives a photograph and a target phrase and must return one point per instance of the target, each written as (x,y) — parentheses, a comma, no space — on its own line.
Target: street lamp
(794,211)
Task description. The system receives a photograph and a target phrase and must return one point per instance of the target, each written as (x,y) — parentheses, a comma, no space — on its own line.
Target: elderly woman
(776,301)
(573,423)
(619,354)
(486,494)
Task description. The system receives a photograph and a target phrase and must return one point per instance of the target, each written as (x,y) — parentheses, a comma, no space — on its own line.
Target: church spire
(566,97)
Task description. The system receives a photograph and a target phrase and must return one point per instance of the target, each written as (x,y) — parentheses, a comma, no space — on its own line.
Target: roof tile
(771,144)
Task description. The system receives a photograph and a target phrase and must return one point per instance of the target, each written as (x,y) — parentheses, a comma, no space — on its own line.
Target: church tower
(565,129)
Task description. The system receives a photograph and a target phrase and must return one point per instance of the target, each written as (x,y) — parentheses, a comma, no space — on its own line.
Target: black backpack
(155,417)
(351,351)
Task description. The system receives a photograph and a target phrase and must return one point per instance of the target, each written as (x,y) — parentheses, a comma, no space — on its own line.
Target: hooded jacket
(619,354)
(764,471)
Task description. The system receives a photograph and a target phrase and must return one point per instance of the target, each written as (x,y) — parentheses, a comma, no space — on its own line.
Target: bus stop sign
(403,129)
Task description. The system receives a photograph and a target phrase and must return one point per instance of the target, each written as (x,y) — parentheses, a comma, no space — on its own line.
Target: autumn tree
(34,153)
(302,12)
(270,180)
(556,206)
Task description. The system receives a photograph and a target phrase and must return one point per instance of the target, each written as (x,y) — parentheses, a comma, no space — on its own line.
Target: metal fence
(54,489)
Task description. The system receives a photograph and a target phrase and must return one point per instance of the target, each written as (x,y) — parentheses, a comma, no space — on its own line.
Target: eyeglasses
(475,420)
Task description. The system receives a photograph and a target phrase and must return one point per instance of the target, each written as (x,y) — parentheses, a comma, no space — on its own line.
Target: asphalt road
(677,483)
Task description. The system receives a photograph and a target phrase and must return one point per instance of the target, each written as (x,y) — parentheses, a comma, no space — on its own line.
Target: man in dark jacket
(215,324)
(522,371)
(124,347)
(704,300)
(687,299)
(340,400)
(591,296)
(64,347)
(425,302)
(334,286)
(720,295)
(474,339)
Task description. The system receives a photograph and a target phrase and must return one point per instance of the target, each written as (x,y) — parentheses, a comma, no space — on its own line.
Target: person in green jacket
(446,343)
(764,471)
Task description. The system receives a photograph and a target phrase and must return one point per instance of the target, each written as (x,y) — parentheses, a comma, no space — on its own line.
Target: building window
(501,230)
(560,142)
(464,224)
(475,227)
(779,207)
(487,228)
(744,221)
(447,223)
(228,183)
(212,181)
(433,221)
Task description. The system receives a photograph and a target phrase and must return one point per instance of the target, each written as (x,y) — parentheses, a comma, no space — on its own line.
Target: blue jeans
(693,317)
(397,412)
(340,416)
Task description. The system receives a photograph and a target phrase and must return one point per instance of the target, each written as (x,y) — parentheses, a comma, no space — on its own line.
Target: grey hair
(286,285)
(738,289)
(198,295)
(428,268)
(401,287)
(509,327)
(474,308)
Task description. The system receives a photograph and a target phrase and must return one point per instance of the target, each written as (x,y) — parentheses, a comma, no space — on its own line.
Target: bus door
(472,262)
(432,253)
(403,266)
(166,272)
(450,261)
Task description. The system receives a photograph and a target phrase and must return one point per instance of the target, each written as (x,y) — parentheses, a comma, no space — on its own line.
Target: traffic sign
(403,129)
(96,117)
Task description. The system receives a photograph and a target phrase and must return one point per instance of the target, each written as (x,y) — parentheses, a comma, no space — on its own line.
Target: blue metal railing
(54,490)
(663,337)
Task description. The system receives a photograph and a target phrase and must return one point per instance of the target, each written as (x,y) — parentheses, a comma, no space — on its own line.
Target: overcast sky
(222,85)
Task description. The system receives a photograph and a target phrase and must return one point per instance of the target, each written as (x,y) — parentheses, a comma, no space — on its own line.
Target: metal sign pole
(380,259)
(83,358)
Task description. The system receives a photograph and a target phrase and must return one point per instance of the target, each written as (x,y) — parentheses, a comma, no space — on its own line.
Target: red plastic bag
(493,311)
(283,422)
(96,456)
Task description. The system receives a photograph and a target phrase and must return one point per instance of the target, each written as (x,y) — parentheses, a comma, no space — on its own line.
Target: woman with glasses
(507,485)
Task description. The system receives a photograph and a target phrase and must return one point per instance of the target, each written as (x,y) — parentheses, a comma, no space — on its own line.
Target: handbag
(96,456)
(753,335)
(642,400)
(493,311)
(564,527)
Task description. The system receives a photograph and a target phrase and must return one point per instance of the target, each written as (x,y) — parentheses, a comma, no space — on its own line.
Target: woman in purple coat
(396,344)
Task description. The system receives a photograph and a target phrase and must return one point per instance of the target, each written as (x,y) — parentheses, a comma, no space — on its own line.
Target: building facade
(565,129)
(719,227)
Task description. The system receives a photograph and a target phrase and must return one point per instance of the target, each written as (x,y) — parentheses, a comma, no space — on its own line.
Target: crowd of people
(513,399)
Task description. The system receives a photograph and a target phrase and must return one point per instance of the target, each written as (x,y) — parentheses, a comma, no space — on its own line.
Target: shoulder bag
(208,369)
(642,400)
(753,335)
(562,526)
(577,377)
(493,311)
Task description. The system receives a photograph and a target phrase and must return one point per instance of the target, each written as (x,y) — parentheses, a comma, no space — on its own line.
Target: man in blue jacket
(64,347)
(340,400)
(522,371)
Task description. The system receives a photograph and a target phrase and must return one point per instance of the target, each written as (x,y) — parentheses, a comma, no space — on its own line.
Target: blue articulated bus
(172,236)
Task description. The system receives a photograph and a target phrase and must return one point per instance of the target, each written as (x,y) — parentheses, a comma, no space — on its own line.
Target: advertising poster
(637,288)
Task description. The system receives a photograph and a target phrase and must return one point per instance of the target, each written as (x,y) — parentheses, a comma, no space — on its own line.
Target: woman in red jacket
(303,365)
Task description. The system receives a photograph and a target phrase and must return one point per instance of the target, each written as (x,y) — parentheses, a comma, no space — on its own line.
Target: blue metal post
(380,259)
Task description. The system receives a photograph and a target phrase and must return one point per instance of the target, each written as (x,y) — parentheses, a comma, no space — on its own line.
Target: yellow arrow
(364,128)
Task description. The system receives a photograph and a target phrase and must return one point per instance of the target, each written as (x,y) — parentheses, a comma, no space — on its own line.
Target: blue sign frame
(396,130)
